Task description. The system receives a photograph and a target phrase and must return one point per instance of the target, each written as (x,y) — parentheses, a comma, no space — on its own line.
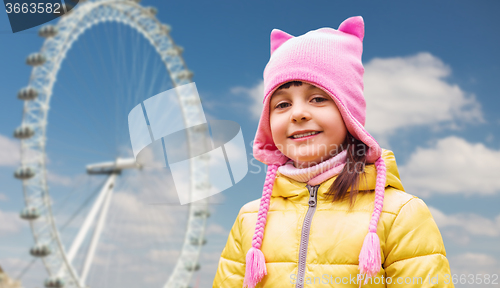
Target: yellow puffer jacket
(412,249)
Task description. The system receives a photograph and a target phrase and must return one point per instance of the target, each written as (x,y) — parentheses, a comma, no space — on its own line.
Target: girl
(333,211)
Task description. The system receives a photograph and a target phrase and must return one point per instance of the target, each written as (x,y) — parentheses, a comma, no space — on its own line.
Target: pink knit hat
(331,60)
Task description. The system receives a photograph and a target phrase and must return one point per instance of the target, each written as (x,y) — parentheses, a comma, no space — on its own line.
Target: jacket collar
(286,187)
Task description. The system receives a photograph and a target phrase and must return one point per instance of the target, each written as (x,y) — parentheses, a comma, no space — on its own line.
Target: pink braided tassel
(255,262)
(369,257)
(255,269)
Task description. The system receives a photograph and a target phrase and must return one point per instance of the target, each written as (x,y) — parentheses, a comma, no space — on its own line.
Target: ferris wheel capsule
(200,128)
(203,186)
(191,100)
(193,267)
(29,213)
(28,93)
(35,59)
(185,74)
(54,282)
(165,28)
(152,10)
(179,48)
(47,31)
(202,213)
(198,241)
(68,7)
(24,173)
(40,250)
(205,156)
(24,132)
(175,51)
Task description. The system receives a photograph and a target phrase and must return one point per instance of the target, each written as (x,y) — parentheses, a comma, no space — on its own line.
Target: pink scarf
(316,174)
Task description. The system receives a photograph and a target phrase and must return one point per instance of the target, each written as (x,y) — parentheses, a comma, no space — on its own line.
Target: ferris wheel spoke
(104,68)
(61,204)
(125,94)
(80,208)
(89,93)
(78,123)
(78,102)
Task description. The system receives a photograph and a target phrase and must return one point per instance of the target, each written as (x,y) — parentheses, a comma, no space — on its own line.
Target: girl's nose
(300,113)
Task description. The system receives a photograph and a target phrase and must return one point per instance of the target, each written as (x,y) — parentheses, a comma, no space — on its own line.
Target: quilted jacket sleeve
(415,251)
(231,268)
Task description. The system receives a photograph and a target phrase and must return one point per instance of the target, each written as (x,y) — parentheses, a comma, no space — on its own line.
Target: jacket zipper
(304,239)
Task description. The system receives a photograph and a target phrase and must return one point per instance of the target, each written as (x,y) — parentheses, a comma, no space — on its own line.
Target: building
(7,282)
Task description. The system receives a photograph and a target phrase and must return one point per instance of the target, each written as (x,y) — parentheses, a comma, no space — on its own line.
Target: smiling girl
(333,211)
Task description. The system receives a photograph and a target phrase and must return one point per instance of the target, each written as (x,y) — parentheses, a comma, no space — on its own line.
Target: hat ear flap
(354,26)
(278,37)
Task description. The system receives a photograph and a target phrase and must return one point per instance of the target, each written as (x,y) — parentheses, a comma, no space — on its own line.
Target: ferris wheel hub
(113,166)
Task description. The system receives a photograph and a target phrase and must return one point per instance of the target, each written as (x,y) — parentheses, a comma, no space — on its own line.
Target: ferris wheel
(59,258)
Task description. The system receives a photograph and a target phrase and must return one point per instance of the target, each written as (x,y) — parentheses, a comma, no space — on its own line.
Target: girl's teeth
(304,135)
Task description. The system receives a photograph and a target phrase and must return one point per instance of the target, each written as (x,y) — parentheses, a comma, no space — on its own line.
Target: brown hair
(349,176)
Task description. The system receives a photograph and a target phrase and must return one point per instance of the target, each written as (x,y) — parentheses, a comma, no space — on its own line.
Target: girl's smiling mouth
(304,136)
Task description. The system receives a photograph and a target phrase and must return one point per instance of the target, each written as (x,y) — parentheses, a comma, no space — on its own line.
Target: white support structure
(97,231)
(75,246)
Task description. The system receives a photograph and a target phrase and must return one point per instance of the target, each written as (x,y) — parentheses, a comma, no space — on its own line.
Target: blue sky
(435,62)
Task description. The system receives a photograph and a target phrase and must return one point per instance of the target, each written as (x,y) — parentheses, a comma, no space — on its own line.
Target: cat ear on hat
(354,26)
(278,37)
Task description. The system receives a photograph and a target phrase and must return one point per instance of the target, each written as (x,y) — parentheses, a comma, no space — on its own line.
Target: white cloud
(11,223)
(209,263)
(460,228)
(9,151)
(452,166)
(153,156)
(210,257)
(164,256)
(237,153)
(61,180)
(411,91)
(490,137)
(474,259)
(14,266)
(256,95)
(459,236)
(217,198)
(216,229)
(470,223)
(473,263)
(138,219)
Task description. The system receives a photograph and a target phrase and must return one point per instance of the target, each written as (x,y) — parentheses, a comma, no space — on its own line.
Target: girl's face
(302,109)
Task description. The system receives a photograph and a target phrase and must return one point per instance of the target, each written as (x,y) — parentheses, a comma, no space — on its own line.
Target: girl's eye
(321,99)
(285,104)
(280,105)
